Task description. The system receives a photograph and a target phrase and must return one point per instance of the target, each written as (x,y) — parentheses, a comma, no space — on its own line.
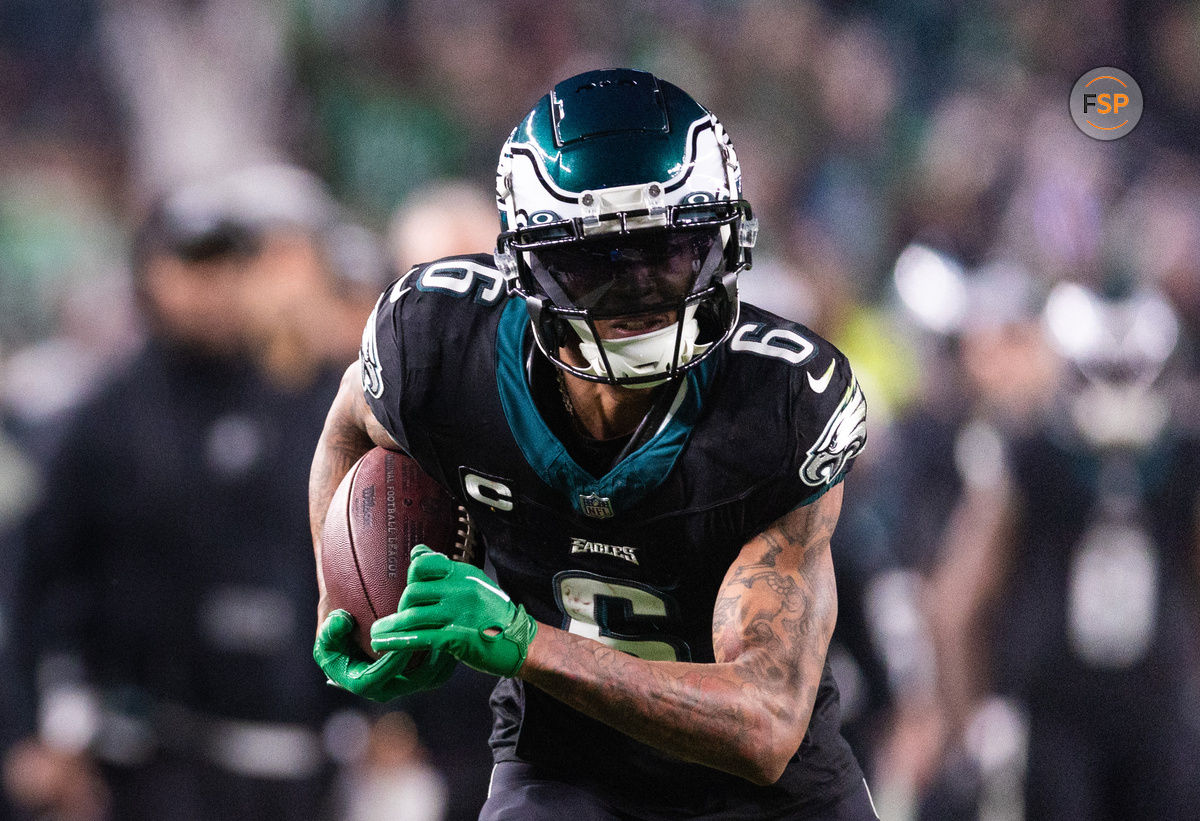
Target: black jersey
(633,558)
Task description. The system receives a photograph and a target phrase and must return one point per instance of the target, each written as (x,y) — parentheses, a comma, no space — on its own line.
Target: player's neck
(605,411)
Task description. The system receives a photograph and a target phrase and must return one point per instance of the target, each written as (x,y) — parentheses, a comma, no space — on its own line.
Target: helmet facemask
(633,307)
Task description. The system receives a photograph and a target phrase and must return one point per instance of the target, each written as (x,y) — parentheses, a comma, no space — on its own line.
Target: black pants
(522,792)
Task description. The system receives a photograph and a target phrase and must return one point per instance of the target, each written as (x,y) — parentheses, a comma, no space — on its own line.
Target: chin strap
(642,355)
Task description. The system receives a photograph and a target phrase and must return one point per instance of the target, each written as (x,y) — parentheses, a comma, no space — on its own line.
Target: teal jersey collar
(631,479)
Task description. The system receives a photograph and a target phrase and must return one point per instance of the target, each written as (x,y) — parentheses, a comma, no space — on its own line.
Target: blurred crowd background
(200,200)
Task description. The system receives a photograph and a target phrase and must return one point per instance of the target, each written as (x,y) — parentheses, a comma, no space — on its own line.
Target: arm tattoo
(772,621)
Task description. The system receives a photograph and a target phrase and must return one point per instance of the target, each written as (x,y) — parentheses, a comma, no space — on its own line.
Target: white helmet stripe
(537,159)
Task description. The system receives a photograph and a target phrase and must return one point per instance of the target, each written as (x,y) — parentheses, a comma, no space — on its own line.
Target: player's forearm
(340,446)
(735,716)
(747,713)
(343,441)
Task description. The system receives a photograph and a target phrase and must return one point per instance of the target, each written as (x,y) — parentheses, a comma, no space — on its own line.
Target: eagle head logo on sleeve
(843,437)
(368,356)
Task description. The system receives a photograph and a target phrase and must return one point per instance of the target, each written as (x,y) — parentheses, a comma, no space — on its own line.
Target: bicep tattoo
(776,607)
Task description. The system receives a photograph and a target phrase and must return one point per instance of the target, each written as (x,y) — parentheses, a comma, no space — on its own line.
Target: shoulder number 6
(780,343)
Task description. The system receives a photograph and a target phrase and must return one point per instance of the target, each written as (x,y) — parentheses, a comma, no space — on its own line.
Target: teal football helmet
(623,227)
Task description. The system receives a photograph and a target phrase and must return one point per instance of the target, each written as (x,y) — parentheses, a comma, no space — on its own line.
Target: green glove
(454,607)
(382,680)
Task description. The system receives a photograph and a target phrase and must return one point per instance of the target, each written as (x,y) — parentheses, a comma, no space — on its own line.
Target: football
(383,507)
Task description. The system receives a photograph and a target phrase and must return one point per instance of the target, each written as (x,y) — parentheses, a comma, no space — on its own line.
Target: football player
(652,466)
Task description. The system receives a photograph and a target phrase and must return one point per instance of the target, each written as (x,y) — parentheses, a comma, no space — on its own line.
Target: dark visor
(623,274)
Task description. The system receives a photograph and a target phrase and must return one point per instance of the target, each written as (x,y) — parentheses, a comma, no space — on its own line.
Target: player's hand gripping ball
(388,677)
(383,507)
(454,607)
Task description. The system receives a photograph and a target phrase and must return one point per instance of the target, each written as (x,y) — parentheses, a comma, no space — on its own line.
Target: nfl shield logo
(598,507)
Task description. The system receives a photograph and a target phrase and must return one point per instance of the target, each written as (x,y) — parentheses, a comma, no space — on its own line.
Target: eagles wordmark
(629,554)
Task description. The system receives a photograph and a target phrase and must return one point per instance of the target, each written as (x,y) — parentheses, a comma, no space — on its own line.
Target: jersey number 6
(624,615)
(780,343)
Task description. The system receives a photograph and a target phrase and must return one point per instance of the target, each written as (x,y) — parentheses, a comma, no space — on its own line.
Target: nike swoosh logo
(819,385)
(491,587)
(399,292)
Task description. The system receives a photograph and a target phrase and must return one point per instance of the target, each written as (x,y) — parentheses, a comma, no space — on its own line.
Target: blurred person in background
(1065,594)
(167,556)
(985,375)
